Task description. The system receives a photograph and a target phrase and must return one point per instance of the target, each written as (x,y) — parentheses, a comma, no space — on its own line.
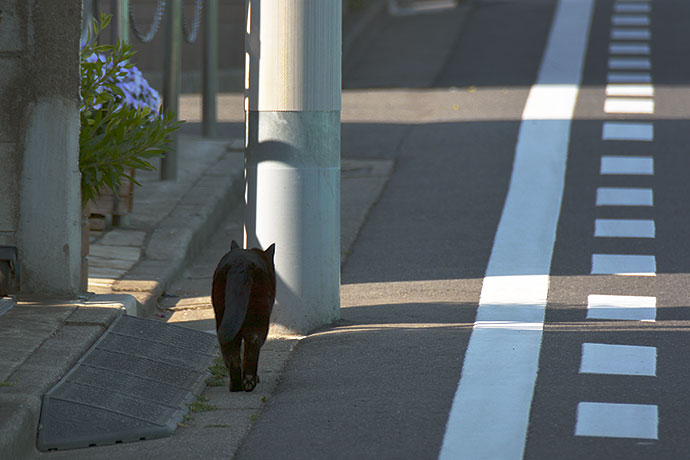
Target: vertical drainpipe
(292,155)
(171,81)
(210,70)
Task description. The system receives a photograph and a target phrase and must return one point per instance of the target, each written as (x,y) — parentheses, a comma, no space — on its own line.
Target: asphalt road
(443,94)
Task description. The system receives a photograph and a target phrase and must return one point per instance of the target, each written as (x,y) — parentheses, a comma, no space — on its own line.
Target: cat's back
(244,260)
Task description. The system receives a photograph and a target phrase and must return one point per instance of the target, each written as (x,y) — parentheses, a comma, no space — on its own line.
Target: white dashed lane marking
(616,63)
(627,165)
(628,131)
(621,307)
(623,33)
(618,105)
(623,264)
(641,49)
(624,196)
(632,7)
(601,358)
(629,77)
(637,421)
(630,20)
(624,228)
(623,89)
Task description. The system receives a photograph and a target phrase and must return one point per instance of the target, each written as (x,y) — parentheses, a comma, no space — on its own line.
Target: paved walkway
(132,266)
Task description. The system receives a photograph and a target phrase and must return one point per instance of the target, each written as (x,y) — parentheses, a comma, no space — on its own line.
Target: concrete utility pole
(40,198)
(292,156)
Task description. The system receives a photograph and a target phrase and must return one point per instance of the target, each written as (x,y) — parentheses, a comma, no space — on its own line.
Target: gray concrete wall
(40,200)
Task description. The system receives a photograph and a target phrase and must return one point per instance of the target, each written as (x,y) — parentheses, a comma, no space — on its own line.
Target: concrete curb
(181,234)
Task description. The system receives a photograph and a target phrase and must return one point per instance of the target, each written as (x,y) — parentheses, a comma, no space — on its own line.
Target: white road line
(630,20)
(490,411)
(625,164)
(629,77)
(607,420)
(629,48)
(600,358)
(621,307)
(629,63)
(624,228)
(632,7)
(624,196)
(623,264)
(623,33)
(623,89)
(620,105)
(627,131)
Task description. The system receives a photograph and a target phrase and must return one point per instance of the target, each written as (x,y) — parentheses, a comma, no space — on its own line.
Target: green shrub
(121,127)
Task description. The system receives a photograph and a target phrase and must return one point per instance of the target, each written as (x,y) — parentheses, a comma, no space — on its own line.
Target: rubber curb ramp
(133,384)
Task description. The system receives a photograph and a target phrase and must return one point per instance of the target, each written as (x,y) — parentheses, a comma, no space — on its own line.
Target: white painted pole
(292,156)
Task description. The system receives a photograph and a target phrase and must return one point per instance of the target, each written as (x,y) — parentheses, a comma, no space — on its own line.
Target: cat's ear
(270,252)
(234,245)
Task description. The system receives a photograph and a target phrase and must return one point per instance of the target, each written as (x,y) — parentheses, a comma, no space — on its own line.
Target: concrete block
(50,209)
(96,315)
(147,276)
(96,272)
(170,241)
(10,76)
(111,264)
(17,428)
(9,186)
(103,251)
(113,301)
(135,286)
(230,164)
(12,38)
(123,237)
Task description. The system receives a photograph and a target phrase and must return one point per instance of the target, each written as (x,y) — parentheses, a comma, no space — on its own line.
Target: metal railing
(169,14)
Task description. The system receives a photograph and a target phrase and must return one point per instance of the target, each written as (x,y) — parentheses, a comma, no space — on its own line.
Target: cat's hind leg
(252,347)
(231,356)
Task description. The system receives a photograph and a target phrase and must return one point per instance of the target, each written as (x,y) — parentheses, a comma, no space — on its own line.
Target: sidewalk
(130,267)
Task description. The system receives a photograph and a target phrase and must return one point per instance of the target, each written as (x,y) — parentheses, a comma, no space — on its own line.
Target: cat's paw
(249,382)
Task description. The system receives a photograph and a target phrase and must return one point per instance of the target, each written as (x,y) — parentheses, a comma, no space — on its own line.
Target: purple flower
(137,91)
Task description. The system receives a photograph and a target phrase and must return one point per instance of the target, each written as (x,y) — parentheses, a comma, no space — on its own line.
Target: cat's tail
(237,291)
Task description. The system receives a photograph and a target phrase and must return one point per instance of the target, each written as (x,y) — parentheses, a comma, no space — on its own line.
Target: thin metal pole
(123,21)
(171,81)
(114,31)
(121,31)
(210,70)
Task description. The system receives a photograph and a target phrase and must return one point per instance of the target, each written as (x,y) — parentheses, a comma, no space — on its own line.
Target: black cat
(243,292)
